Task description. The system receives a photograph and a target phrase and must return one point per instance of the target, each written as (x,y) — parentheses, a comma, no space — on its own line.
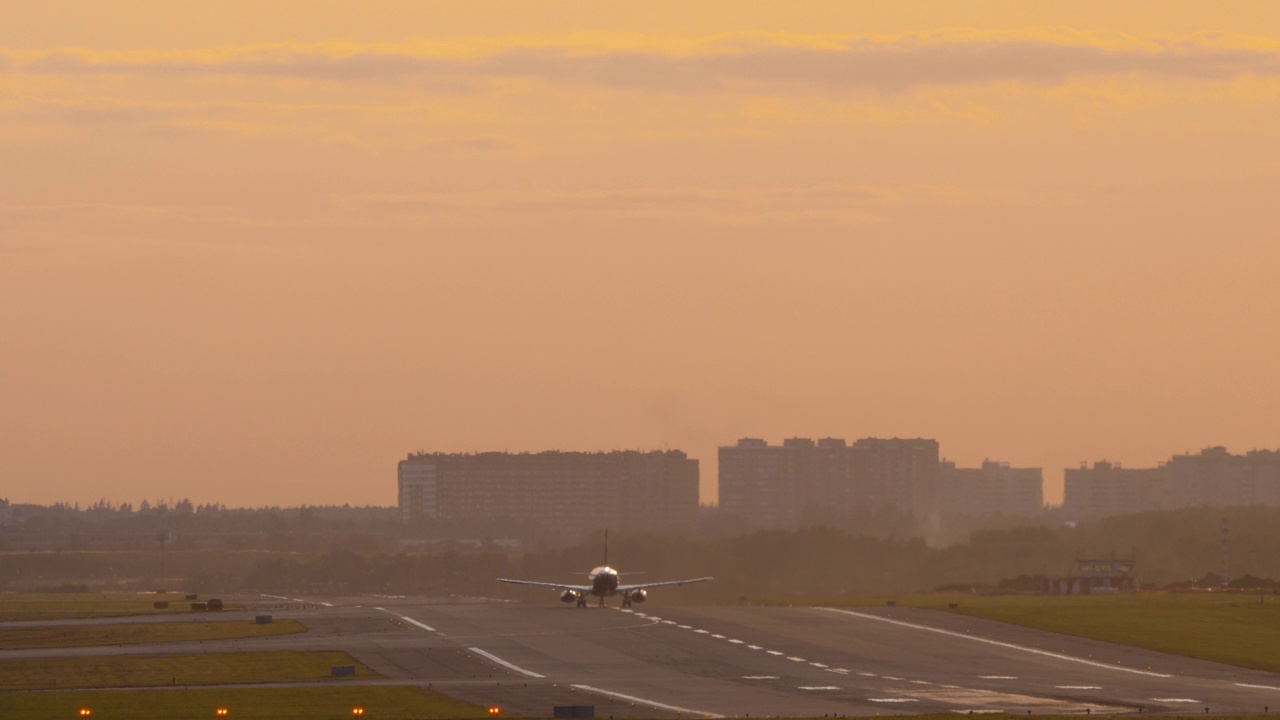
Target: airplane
(603,582)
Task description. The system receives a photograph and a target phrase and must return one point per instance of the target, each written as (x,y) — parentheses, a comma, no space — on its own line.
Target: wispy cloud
(712,64)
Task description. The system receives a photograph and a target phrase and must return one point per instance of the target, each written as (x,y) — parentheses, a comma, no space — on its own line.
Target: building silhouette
(1211,478)
(551,490)
(804,480)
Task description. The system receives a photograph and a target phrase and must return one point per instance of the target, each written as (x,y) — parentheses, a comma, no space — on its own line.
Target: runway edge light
(494,710)
(222,712)
(85,712)
(357,711)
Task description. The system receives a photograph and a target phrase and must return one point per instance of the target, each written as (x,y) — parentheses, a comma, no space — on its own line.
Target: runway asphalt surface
(666,661)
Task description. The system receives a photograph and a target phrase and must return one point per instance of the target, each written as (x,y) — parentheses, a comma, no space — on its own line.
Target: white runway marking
(842,671)
(275,597)
(818,687)
(867,674)
(793,658)
(997,643)
(892,700)
(1259,687)
(411,621)
(735,642)
(685,627)
(1078,687)
(773,652)
(818,665)
(921,682)
(642,701)
(718,637)
(890,677)
(755,647)
(997,677)
(759,677)
(668,622)
(701,631)
(504,663)
(976,712)
(1175,700)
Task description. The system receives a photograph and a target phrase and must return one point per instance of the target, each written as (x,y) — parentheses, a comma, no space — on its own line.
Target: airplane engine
(568,596)
(638,596)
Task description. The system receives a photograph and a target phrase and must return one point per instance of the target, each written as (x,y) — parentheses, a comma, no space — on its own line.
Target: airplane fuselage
(603,581)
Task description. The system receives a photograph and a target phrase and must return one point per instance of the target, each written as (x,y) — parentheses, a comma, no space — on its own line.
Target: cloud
(713,64)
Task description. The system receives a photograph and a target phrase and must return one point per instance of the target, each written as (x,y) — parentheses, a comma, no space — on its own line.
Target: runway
(670,661)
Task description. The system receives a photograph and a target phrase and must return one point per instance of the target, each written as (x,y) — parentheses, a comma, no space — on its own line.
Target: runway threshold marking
(1258,687)
(997,643)
(642,701)
(494,658)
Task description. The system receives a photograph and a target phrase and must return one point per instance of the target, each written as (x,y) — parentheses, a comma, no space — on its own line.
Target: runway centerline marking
(1080,687)
(1258,687)
(735,642)
(774,652)
(668,622)
(759,677)
(718,637)
(998,677)
(701,632)
(793,658)
(892,700)
(755,647)
(997,643)
(504,663)
(815,664)
(685,627)
(1175,700)
(818,687)
(891,677)
(642,701)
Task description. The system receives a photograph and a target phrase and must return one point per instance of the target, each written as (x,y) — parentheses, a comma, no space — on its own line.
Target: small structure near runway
(1091,577)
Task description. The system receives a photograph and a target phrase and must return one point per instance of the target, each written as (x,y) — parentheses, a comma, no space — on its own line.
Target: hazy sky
(256,252)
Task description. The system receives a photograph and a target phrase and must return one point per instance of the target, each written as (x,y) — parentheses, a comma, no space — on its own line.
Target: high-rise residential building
(994,489)
(551,490)
(1211,478)
(783,485)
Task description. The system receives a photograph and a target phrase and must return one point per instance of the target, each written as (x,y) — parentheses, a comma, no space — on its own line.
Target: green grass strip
(97,635)
(1228,628)
(127,671)
(328,703)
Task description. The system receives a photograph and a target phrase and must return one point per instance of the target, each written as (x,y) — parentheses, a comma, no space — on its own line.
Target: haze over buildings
(250,252)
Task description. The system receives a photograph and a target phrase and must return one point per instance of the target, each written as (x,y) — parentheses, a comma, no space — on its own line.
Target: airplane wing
(557,586)
(645,586)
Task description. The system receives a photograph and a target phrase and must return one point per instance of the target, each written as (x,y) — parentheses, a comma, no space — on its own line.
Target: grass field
(1235,629)
(55,606)
(329,703)
(159,670)
(97,635)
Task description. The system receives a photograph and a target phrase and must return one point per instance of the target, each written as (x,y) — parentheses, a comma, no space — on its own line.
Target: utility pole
(162,536)
(1226,550)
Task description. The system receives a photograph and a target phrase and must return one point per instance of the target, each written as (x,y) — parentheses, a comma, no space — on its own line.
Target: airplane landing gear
(626,601)
(582,602)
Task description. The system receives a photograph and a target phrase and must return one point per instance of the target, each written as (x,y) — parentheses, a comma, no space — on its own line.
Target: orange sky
(256,252)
